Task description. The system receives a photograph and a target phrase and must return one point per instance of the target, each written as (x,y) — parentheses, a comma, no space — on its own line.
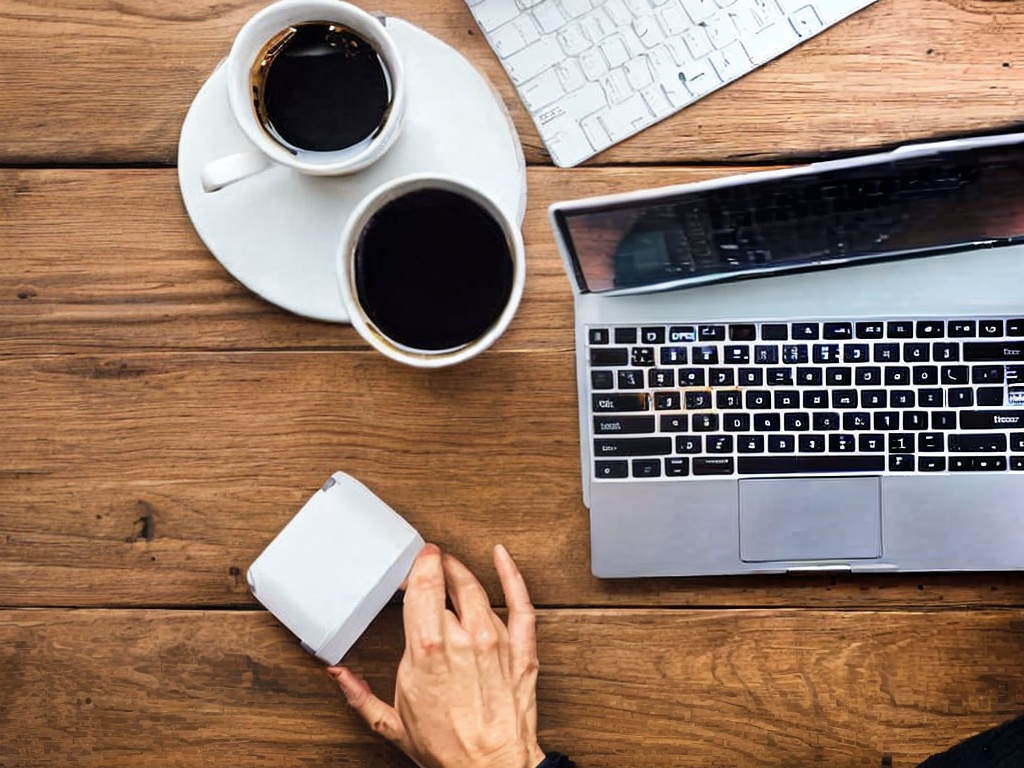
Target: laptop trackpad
(810,518)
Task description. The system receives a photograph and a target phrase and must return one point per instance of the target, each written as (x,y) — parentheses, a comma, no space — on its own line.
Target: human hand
(465,696)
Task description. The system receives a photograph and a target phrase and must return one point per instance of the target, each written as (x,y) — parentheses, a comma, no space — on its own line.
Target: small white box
(334,566)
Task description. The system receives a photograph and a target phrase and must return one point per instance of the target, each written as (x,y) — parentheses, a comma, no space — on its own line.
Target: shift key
(640,446)
(624,403)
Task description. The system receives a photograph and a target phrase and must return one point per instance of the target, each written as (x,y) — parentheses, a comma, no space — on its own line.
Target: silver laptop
(813,369)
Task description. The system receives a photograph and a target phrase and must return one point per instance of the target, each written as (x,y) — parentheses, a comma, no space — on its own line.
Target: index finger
(522,619)
(424,604)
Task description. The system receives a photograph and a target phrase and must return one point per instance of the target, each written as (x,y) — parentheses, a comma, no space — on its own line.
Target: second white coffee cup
(431,270)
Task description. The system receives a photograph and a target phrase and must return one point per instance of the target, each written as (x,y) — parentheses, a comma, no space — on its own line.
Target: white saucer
(278,232)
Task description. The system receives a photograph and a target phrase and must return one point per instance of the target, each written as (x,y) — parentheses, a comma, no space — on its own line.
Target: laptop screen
(895,206)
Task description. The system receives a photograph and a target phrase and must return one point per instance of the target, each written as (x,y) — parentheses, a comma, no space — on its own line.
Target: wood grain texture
(107,259)
(110,81)
(156,478)
(617,688)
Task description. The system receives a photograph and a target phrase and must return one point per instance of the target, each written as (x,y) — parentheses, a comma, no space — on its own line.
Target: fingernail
(430,549)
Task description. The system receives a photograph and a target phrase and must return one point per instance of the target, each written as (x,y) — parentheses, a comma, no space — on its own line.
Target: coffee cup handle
(225,171)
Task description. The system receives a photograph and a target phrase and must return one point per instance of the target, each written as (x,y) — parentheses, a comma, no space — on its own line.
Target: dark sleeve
(1001,747)
(556,760)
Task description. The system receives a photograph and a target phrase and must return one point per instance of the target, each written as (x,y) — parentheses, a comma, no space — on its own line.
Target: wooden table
(158,424)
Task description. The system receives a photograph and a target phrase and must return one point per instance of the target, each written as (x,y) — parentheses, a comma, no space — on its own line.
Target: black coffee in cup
(433,270)
(319,86)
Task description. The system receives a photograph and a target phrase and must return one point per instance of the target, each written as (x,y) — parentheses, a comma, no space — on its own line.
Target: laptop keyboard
(592,72)
(803,398)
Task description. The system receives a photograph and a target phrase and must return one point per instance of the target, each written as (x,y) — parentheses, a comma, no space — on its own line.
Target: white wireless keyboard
(594,72)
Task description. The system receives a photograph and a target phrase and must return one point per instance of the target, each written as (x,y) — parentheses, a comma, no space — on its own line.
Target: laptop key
(611,469)
(993,351)
(990,328)
(774,332)
(990,396)
(677,466)
(977,463)
(598,336)
(931,464)
(870,330)
(639,401)
(901,462)
(674,422)
(713,466)
(794,465)
(983,443)
(711,332)
(625,335)
(646,467)
(609,357)
(689,444)
(623,425)
(639,446)
(602,380)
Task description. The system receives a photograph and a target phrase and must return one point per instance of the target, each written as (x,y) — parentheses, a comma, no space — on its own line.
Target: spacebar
(790,465)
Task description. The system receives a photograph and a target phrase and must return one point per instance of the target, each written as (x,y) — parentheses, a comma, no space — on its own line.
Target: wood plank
(71,282)
(685,688)
(155,479)
(124,73)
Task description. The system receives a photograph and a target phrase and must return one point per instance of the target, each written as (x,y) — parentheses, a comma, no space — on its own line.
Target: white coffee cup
(403,190)
(248,46)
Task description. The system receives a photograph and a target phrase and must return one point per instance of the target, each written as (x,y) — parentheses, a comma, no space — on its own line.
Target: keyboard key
(608,357)
(621,403)
(530,61)
(646,467)
(990,328)
(806,331)
(641,356)
(689,444)
(674,422)
(1017,463)
(713,466)
(993,351)
(639,446)
(838,331)
(625,336)
(838,377)
(677,466)
(856,421)
(781,443)
(867,376)
(931,442)
(751,377)
(987,374)
(728,400)
(699,400)
(856,353)
(541,90)
(945,420)
(796,422)
(844,398)
(765,354)
(925,375)
(900,329)
(886,353)
(931,329)
(787,399)
(902,398)
(901,462)
(661,378)
(722,377)
(602,380)
(667,401)
(652,335)
(794,354)
(736,422)
(718,444)
(774,332)
(960,397)
(896,375)
(931,464)
(977,463)
(681,334)
(630,379)
(742,333)
(1017,442)
(930,398)
(874,398)
(779,377)
(886,420)
(793,465)
(758,400)
(611,469)
(811,443)
(901,442)
(954,374)
(737,354)
(870,330)
(809,377)
(750,444)
(825,353)
(990,396)
(491,14)
(705,422)
(915,352)
(816,399)
(767,422)
(915,420)
(673,356)
(962,329)
(871,443)
(711,332)
(983,443)
(598,335)
(842,443)
(706,355)
(692,377)
(623,425)
(1015,327)
(945,352)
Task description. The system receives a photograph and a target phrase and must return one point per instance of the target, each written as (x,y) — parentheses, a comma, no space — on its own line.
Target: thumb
(382,718)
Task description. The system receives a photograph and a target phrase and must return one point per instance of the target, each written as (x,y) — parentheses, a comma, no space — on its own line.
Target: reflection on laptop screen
(901,206)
